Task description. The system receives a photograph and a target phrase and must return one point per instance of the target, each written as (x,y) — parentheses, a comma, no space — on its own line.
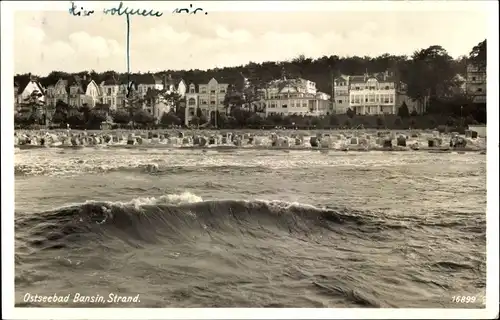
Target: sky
(54,40)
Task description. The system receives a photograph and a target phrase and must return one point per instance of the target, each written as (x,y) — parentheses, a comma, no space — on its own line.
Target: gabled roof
(81,84)
(111,82)
(343,78)
(148,79)
(24,84)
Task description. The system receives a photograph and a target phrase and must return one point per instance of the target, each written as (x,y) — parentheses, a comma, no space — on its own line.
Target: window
(284,106)
(203,101)
(212,102)
(191,90)
(473,78)
(191,102)
(357,88)
(479,89)
(203,90)
(386,87)
(222,90)
(381,109)
(340,101)
(304,105)
(366,99)
(212,91)
(109,91)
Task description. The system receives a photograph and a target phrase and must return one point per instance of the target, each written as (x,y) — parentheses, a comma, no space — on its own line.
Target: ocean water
(249,228)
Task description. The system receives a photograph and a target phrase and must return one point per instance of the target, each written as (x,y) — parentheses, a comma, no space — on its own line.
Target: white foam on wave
(172,199)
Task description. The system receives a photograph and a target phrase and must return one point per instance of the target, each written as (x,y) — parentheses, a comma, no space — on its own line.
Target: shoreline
(270,148)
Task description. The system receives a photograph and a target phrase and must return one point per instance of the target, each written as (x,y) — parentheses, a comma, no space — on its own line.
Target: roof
(111,82)
(145,79)
(342,78)
(22,86)
(380,77)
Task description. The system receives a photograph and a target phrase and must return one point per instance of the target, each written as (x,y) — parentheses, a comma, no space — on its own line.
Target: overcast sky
(54,40)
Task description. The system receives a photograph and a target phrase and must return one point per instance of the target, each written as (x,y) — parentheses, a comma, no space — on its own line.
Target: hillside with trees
(429,73)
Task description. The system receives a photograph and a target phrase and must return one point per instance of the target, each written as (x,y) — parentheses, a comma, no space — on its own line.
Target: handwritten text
(122,10)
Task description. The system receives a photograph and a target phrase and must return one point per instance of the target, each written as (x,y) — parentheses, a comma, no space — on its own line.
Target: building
(208,97)
(155,104)
(476,83)
(341,94)
(182,88)
(146,82)
(83,91)
(25,90)
(57,92)
(295,97)
(111,89)
(373,94)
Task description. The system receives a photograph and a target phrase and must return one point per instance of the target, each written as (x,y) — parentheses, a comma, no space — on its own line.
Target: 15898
(464,299)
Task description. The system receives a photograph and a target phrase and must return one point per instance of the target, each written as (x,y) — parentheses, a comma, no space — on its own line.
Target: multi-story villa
(208,97)
(373,94)
(112,92)
(25,90)
(476,83)
(146,82)
(295,97)
(83,91)
(341,94)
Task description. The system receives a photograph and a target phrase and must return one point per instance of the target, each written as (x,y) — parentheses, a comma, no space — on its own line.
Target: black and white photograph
(175,155)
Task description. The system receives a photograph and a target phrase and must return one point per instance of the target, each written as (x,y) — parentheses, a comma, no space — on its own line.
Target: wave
(155,168)
(184,218)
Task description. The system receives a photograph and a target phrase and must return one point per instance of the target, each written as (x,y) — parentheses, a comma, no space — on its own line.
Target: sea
(249,228)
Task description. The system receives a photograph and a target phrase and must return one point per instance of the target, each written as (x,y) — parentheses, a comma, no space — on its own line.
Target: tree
(451,122)
(142,117)
(35,107)
(350,113)
(348,123)
(169,119)
(233,99)
(198,112)
(61,111)
(255,120)
(75,118)
(380,122)
(171,98)
(334,121)
(95,118)
(403,111)
(414,113)
(398,123)
(134,104)
(85,110)
(22,119)
(121,117)
(413,123)
(478,55)
(430,74)
(470,120)
(195,120)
